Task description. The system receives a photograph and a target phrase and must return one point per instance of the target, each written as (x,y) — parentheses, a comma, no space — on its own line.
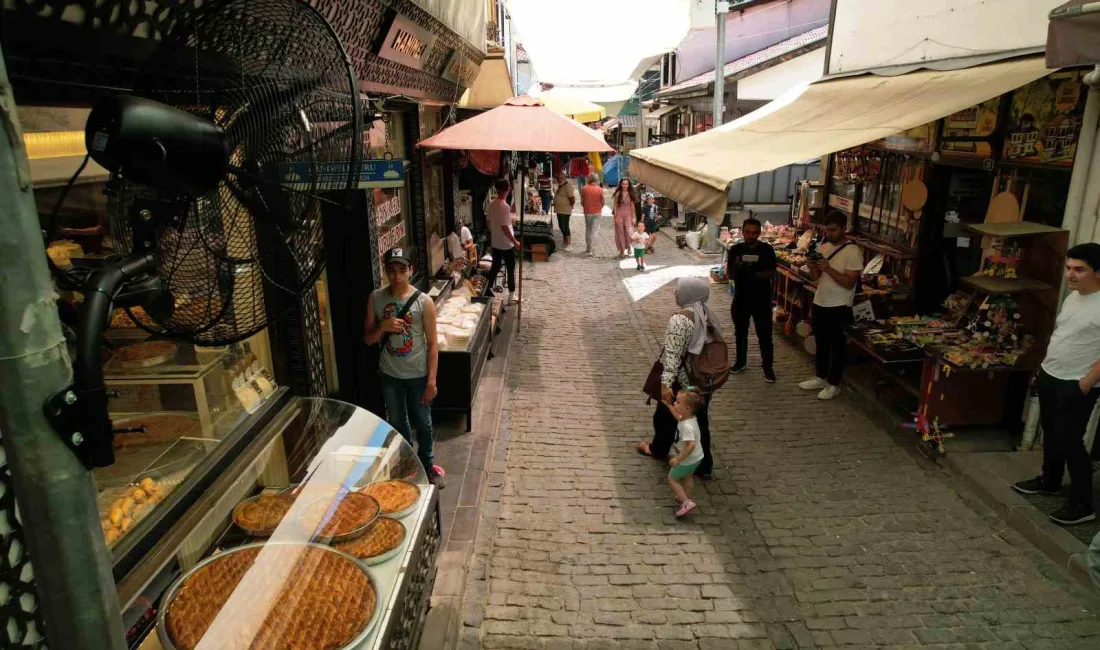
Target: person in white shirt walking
(690,454)
(836,274)
(1068,390)
(502,237)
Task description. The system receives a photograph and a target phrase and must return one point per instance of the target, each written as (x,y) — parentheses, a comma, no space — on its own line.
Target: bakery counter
(322,534)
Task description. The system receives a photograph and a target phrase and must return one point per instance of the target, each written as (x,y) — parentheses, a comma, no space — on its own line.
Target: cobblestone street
(818,531)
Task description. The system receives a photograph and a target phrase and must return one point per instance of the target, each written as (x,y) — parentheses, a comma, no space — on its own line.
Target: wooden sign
(406,43)
(460,70)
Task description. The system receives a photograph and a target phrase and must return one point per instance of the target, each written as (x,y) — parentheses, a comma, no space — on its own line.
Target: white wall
(776,80)
(463,17)
(869,34)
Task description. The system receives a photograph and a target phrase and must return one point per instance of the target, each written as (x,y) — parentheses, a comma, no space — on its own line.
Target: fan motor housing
(158,145)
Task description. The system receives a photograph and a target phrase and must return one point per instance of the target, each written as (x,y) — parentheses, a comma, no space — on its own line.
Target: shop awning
(492,88)
(1073,35)
(660,112)
(572,107)
(813,120)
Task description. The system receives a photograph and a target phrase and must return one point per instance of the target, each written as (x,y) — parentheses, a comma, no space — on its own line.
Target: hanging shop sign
(461,70)
(372,174)
(406,42)
(919,139)
(1045,120)
(968,133)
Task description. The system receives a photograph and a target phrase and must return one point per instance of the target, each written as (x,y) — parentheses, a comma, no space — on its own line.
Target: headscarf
(693,293)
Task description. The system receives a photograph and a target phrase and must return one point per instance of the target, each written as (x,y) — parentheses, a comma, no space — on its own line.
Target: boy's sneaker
(1036,486)
(829,392)
(769,375)
(435,477)
(1073,514)
(687,507)
(816,383)
(738,367)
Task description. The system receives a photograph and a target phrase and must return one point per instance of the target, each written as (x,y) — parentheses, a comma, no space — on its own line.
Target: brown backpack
(711,367)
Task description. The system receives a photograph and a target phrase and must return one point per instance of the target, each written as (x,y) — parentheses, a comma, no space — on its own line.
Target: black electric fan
(242,127)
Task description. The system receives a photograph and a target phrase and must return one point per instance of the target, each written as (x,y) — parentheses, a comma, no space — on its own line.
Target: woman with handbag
(685,335)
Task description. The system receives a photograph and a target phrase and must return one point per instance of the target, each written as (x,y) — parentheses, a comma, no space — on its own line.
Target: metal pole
(721,9)
(522,198)
(72,567)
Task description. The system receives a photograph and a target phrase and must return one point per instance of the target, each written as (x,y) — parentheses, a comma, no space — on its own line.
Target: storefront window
(390,206)
(431,120)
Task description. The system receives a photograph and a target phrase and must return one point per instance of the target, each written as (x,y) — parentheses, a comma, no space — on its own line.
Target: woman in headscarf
(686,334)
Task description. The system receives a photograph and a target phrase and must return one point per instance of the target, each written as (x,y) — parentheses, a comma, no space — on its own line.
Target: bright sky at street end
(598,43)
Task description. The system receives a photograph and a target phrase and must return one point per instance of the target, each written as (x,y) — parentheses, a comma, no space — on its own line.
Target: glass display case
(180,414)
(321,534)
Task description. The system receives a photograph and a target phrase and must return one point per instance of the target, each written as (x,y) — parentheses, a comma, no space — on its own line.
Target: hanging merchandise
(486,162)
(1045,120)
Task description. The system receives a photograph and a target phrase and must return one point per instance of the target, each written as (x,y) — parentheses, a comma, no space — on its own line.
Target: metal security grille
(20,622)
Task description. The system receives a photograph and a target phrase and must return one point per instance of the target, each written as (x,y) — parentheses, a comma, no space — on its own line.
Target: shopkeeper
(835,273)
(1068,390)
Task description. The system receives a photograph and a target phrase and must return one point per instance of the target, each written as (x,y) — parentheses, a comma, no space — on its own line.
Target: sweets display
(383,536)
(152,429)
(323,601)
(144,355)
(260,515)
(353,512)
(457,321)
(130,507)
(394,495)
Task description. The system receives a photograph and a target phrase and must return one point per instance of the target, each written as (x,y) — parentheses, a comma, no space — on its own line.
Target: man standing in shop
(836,272)
(1068,389)
(592,202)
(564,199)
(403,320)
(751,266)
(502,237)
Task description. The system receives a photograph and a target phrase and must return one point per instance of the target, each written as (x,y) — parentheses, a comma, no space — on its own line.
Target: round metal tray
(258,533)
(393,552)
(170,595)
(352,534)
(400,514)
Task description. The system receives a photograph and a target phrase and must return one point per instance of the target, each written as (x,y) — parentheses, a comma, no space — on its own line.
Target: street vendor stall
(521,125)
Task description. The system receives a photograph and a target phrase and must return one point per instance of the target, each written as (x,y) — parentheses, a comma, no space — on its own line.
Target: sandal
(685,508)
(643,449)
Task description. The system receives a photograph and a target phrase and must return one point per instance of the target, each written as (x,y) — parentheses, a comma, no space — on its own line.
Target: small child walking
(639,241)
(690,453)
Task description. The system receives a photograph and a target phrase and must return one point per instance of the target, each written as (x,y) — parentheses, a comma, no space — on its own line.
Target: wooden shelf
(874,243)
(1018,229)
(1003,286)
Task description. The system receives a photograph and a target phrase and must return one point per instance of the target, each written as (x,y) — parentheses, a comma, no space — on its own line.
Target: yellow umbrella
(576,108)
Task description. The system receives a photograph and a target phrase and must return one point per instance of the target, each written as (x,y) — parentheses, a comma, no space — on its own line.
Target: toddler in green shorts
(689,453)
(639,241)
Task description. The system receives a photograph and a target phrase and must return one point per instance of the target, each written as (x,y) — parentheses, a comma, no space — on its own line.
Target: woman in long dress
(627,210)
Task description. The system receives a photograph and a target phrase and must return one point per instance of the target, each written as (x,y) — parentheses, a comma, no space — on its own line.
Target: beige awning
(818,119)
(492,88)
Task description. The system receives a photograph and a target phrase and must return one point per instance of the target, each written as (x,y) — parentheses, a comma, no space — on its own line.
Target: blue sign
(372,173)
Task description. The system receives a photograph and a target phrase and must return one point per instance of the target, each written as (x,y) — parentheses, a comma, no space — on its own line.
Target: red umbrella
(520,124)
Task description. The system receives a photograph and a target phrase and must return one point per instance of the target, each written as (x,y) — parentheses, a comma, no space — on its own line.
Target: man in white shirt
(836,274)
(502,237)
(1068,389)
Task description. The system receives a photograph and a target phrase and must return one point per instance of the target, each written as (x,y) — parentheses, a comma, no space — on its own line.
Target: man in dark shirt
(751,266)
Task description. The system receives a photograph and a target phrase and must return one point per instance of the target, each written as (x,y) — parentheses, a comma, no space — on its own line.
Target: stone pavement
(818,531)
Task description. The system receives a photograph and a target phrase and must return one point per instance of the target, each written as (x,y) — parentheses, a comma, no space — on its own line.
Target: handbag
(652,386)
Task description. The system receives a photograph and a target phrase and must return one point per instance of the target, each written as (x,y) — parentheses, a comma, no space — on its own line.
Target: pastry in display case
(321,535)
